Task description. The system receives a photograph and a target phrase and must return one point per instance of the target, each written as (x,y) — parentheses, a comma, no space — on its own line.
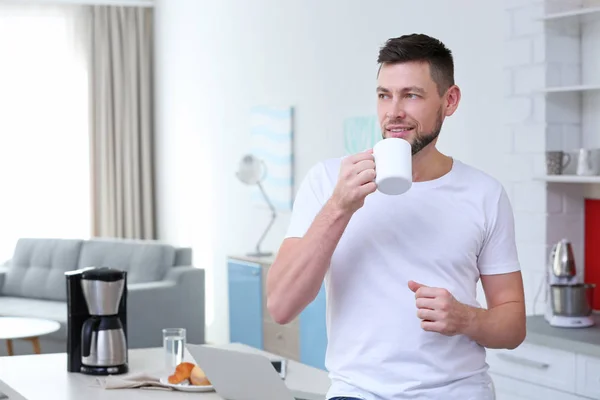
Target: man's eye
(412,96)
(382,96)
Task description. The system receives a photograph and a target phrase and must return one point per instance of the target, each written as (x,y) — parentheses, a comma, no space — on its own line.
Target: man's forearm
(296,276)
(501,327)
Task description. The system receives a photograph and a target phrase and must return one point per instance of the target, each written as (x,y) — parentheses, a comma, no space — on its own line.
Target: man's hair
(421,48)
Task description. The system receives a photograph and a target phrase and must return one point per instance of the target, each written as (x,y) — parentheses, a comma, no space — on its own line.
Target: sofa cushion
(144,261)
(21,307)
(37,269)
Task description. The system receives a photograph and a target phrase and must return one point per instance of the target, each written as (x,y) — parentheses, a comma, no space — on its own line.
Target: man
(401,271)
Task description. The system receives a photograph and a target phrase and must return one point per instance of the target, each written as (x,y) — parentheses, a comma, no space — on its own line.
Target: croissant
(182,372)
(198,378)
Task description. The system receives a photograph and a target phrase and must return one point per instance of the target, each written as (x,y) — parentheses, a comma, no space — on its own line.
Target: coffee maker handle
(89,327)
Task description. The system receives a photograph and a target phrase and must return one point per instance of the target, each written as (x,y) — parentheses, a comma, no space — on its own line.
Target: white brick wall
(590,53)
(554,202)
(539,56)
(525,20)
(529,79)
(539,49)
(554,137)
(529,138)
(563,108)
(591,121)
(526,117)
(570,75)
(528,196)
(518,109)
(519,51)
(562,47)
(571,137)
(540,108)
(539,167)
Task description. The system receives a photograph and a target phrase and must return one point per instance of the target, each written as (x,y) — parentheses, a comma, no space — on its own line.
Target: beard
(421,139)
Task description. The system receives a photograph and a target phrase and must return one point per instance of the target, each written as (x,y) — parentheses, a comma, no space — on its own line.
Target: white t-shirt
(442,233)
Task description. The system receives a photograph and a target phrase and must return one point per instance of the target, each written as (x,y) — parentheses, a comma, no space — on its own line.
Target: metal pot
(572,300)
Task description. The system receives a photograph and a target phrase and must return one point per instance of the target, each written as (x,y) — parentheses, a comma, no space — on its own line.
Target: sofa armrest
(2,278)
(175,302)
(3,270)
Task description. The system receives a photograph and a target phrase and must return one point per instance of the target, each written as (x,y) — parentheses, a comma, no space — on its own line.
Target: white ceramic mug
(393,165)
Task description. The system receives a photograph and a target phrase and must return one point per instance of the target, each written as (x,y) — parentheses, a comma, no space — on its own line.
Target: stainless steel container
(572,300)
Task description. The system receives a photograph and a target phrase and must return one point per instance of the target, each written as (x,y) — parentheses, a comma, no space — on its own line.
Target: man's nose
(397,110)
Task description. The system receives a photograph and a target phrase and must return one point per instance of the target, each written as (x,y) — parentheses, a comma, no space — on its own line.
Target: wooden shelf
(566,89)
(579,12)
(569,179)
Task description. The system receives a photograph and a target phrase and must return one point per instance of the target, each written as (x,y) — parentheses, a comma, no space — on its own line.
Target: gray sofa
(164,290)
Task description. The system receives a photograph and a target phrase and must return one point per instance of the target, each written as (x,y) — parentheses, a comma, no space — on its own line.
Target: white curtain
(44,124)
(121,122)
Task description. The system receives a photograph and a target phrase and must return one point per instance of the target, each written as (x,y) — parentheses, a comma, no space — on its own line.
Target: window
(44,150)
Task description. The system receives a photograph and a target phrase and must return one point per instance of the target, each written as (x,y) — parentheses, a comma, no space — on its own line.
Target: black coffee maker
(97,321)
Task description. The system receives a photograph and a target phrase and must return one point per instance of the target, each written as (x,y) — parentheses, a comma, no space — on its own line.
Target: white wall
(217,59)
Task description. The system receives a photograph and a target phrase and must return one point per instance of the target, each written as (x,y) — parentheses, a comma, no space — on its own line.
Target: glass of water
(174,347)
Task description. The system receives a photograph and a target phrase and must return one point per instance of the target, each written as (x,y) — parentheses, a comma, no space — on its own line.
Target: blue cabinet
(313,332)
(245,303)
(304,340)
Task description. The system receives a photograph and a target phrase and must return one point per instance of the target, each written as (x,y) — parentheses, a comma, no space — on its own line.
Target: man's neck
(429,164)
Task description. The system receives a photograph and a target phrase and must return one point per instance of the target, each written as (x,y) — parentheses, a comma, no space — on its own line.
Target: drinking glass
(174,347)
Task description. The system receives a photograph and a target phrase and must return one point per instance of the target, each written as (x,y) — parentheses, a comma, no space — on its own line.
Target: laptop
(7,393)
(238,375)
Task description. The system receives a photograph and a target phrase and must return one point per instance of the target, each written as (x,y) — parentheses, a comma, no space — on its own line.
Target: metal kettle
(562,260)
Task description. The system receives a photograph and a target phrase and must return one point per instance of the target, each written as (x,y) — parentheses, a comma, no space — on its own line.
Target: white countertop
(44,377)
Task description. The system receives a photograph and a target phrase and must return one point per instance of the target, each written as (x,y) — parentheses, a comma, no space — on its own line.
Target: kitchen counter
(577,340)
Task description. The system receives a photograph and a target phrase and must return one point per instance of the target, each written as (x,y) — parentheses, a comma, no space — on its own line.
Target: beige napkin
(133,381)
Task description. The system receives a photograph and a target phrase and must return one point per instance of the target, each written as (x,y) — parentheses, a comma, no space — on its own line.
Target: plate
(186,387)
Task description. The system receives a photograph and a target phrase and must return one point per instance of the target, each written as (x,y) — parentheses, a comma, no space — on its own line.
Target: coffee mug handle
(566,159)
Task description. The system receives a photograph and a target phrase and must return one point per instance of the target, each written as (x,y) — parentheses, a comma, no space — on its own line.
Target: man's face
(409,105)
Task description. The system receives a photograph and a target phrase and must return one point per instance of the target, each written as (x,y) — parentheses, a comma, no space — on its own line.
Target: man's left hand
(439,311)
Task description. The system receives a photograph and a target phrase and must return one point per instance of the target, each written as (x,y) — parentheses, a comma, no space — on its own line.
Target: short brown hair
(421,48)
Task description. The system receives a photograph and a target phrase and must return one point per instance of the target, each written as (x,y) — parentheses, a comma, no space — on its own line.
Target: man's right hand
(356,181)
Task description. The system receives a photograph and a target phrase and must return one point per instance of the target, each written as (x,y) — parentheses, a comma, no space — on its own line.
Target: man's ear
(452,99)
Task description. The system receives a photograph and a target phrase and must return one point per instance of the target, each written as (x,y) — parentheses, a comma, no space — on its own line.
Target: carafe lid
(104,274)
